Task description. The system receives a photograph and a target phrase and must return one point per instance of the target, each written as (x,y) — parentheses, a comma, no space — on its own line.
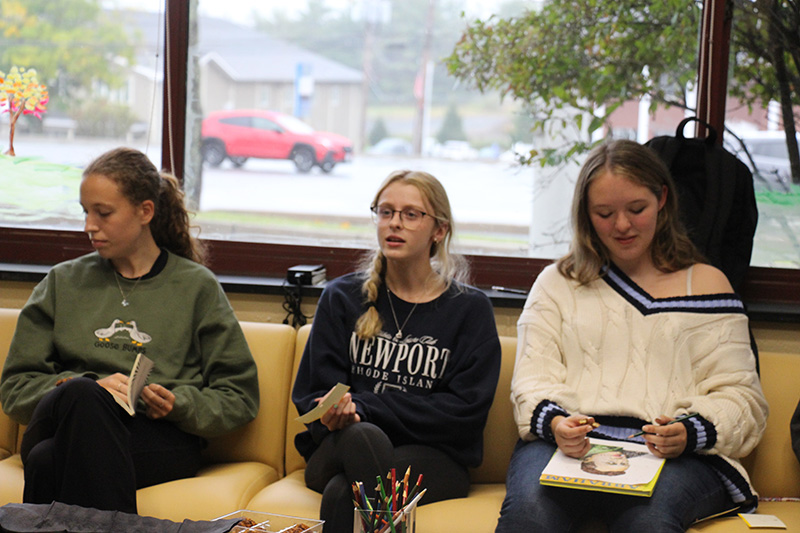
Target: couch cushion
(477,513)
(288,496)
(246,460)
(788,512)
(216,490)
(262,440)
(12,479)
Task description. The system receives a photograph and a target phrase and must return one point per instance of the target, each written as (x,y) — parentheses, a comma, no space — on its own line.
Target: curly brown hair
(139,180)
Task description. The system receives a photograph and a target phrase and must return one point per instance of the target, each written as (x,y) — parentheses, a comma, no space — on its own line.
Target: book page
(614,461)
(136,382)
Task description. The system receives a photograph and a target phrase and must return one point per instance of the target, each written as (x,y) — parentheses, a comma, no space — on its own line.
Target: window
(97,91)
(232,71)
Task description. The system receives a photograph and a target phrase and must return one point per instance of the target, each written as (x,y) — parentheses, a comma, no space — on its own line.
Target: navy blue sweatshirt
(433,387)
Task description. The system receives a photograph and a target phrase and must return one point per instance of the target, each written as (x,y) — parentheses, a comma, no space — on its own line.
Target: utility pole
(421,83)
(374,13)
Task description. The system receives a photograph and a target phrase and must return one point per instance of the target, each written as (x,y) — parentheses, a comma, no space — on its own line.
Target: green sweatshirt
(74,324)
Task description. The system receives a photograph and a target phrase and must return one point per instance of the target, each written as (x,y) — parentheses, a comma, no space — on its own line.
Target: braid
(370,323)
(171,226)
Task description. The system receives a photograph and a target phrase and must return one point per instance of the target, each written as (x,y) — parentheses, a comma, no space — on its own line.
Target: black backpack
(715,196)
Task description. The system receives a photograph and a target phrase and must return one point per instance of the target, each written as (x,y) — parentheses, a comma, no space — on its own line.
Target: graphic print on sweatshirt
(411,363)
(122,335)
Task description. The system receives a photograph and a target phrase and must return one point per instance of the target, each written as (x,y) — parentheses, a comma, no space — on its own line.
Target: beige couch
(239,464)
(258,467)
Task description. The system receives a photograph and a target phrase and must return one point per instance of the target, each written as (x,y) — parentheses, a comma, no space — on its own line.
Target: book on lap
(609,466)
(136,382)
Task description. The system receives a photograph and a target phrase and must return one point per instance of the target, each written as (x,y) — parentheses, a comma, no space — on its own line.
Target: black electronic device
(306,275)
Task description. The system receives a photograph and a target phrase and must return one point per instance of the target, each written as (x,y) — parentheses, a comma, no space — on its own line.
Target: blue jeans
(688,489)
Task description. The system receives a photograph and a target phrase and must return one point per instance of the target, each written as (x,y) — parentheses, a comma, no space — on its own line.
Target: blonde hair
(139,180)
(671,249)
(446,264)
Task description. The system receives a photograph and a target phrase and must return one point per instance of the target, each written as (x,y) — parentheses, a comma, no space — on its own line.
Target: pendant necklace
(399,334)
(125,302)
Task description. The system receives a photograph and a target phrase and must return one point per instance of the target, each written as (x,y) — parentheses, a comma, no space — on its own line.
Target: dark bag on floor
(716,198)
(62,518)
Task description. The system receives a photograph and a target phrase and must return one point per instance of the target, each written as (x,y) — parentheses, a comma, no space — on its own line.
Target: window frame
(776,288)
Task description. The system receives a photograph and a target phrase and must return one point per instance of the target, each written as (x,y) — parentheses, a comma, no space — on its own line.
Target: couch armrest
(773,467)
(295,461)
(9,429)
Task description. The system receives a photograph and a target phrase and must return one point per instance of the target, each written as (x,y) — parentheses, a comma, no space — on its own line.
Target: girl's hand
(340,415)
(666,441)
(159,401)
(570,434)
(116,384)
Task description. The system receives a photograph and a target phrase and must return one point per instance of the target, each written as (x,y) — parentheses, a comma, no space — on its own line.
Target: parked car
(771,158)
(244,133)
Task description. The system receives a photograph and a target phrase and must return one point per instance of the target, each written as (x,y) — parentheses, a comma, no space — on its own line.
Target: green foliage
(70,43)
(761,31)
(573,58)
(377,132)
(104,119)
(766,38)
(452,128)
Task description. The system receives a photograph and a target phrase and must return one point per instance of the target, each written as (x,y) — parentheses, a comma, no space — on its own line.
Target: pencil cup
(384,521)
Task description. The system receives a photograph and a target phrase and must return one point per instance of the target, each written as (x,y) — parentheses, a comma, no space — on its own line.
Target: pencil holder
(384,521)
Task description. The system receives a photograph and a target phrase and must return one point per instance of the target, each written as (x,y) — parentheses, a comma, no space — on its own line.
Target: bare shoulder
(707,279)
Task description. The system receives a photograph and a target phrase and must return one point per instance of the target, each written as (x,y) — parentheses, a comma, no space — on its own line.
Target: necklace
(399,334)
(125,302)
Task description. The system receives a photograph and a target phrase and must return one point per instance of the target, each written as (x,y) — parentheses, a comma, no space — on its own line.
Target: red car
(244,133)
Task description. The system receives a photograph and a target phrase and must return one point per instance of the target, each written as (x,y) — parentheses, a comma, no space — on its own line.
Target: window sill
(757,311)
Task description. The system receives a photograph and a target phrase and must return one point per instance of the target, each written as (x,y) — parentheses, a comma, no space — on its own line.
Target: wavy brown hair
(447,265)
(671,249)
(139,180)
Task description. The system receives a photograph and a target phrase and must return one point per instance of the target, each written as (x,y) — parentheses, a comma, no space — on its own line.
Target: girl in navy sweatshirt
(419,350)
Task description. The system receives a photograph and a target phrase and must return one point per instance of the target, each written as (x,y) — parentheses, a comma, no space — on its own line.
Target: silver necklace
(399,334)
(125,302)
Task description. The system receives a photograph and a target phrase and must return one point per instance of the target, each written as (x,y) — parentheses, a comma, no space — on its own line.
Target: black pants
(361,452)
(81,448)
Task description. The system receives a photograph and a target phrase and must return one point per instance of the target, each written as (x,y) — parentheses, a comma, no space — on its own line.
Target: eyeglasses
(410,217)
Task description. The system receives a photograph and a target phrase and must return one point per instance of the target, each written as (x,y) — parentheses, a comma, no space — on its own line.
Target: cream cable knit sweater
(608,348)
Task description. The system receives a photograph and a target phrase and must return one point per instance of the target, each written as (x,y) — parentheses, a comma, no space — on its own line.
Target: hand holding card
(322,407)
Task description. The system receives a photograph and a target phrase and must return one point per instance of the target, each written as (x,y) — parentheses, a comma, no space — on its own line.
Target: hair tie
(372,304)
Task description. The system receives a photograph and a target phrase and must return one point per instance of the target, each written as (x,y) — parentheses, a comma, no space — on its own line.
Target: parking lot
(494,203)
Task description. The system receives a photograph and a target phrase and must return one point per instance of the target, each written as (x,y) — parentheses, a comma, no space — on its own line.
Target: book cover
(609,466)
(136,382)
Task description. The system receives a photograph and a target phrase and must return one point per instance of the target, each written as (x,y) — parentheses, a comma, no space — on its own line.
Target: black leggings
(361,452)
(82,448)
